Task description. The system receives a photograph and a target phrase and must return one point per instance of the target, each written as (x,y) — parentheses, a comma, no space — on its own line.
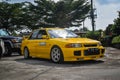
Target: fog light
(77,53)
(103,50)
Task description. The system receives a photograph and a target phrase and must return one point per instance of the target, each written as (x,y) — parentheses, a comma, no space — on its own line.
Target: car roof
(50,28)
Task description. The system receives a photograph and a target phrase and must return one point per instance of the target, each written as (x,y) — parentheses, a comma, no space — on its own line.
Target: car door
(32,43)
(42,46)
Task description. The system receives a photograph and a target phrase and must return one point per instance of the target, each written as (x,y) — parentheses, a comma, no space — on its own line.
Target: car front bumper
(81,54)
(16,47)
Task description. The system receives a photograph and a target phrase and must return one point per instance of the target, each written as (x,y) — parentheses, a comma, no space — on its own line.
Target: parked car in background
(2,48)
(11,43)
(60,45)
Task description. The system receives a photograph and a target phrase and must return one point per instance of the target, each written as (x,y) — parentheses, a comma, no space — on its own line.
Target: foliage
(112,33)
(109,29)
(106,40)
(116,28)
(94,35)
(84,29)
(116,40)
(39,15)
(70,12)
(9,15)
(43,13)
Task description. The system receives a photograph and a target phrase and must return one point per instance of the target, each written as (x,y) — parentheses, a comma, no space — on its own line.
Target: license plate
(92,50)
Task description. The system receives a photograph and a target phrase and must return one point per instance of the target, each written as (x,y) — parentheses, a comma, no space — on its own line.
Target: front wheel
(26,53)
(56,55)
(8,51)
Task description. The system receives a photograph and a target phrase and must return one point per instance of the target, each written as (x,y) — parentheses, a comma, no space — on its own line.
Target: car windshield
(61,33)
(3,33)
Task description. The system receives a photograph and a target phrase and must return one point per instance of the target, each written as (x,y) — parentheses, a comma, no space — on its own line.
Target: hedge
(116,40)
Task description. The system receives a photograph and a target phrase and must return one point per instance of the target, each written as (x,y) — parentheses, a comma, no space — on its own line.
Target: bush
(93,35)
(116,42)
(106,41)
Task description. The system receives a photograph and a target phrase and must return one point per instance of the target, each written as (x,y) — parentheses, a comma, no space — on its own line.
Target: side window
(34,34)
(41,32)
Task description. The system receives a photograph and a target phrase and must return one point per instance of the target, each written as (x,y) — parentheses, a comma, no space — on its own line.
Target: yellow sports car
(58,45)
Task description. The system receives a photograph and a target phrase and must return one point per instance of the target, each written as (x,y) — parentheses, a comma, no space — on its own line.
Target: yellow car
(58,45)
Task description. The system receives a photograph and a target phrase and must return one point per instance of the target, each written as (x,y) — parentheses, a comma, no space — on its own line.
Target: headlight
(73,45)
(14,40)
(99,44)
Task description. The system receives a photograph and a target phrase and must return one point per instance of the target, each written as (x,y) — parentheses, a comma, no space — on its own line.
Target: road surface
(18,68)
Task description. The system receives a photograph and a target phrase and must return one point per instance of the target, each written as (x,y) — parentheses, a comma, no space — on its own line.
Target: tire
(19,52)
(0,52)
(26,53)
(56,55)
(8,51)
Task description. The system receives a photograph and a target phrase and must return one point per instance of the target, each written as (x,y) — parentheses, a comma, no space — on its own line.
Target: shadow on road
(45,62)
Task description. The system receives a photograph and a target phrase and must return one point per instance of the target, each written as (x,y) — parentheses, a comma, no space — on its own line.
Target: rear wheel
(8,51)
(26,53)
(56,55)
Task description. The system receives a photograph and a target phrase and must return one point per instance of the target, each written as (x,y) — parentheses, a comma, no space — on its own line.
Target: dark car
(11,43)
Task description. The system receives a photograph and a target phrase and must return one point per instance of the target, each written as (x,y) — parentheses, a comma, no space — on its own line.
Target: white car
(2,47)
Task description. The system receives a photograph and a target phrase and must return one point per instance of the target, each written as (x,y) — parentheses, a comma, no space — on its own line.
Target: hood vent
(90,45)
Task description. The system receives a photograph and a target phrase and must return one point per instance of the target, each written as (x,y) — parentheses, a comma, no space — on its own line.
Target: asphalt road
(17,68)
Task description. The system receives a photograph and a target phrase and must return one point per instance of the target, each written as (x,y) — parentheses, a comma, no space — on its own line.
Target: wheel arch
(8,43)
(56,46)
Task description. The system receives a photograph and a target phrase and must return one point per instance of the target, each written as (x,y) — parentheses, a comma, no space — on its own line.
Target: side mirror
(25,37)
(44,37)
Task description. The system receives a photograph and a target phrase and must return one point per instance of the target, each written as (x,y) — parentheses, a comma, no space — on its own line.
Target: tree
(116,28)
(9,15)
(64,13)
(28,17)
(38,14)
(43,13)
(84,29)
(70,12)
(109,29)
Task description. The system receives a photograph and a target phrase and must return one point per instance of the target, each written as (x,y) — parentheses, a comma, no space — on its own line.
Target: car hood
(7,37)
(77,40)
(11,37)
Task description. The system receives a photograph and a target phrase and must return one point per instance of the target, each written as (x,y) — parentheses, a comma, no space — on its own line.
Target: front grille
(90,45)
(92,51)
